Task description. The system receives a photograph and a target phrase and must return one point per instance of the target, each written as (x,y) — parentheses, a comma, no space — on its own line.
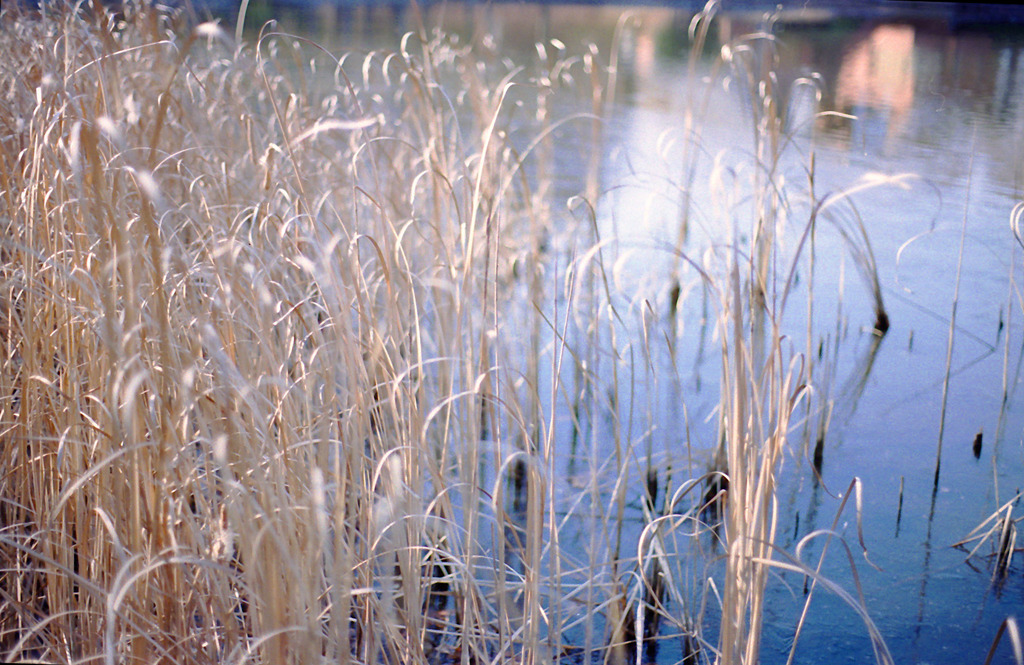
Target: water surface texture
(928,119)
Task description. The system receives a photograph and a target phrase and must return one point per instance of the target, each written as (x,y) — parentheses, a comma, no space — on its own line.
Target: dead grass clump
(292,342)
(247,363)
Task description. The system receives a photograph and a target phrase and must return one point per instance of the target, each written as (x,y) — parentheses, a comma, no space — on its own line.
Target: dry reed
(284,377)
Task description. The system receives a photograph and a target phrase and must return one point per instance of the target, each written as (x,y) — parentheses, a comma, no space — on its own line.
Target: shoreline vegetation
(295,345)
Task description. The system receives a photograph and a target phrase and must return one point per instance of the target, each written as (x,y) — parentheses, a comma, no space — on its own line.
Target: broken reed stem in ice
(952,319)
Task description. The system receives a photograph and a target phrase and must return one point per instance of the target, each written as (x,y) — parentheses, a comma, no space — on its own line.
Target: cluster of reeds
(293,346)
(776,388)
(273,345)
(249,375)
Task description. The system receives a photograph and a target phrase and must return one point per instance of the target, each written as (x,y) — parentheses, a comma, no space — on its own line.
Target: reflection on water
(876,77)
(913,96)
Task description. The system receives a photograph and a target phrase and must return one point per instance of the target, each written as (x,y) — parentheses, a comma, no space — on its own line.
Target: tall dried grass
(248,363)
(284,378)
